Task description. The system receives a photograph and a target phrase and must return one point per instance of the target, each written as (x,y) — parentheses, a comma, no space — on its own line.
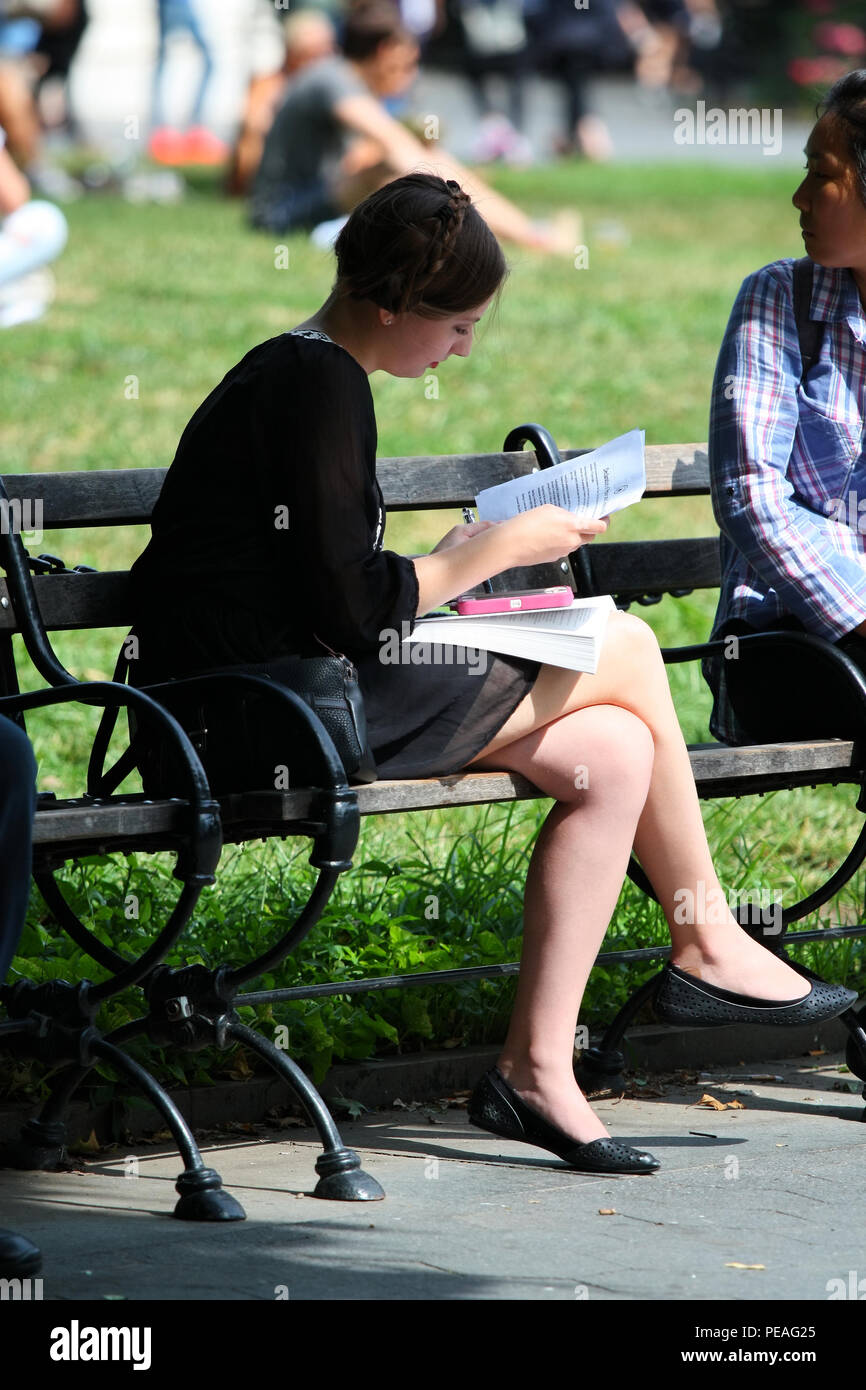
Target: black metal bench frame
(192,1007)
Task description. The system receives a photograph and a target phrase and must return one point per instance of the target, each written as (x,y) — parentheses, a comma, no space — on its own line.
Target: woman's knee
(601,752)
(632,633)
(613,750)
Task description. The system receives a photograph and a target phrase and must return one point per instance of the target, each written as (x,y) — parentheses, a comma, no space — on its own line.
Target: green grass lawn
(155,304)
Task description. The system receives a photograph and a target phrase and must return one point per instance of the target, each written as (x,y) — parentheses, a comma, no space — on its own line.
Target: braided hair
(419,245)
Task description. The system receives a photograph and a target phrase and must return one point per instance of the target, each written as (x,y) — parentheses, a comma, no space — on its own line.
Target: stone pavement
(775,1184)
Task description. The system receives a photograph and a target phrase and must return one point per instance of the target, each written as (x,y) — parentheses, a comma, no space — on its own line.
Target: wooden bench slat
(64,822)
(711,763)
(103,497)
(126,496)
(641,567)
(70,602)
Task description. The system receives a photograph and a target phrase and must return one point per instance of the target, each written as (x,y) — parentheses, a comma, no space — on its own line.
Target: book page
(593,485)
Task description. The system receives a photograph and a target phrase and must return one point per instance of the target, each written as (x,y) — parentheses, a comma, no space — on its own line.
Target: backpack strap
(809,331)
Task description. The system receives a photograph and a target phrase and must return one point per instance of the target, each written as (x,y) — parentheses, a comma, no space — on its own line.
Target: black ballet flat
(19,1257)
(682,998)
(496,1107)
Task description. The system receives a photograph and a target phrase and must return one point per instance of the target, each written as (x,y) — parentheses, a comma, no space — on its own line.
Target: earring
(388,323)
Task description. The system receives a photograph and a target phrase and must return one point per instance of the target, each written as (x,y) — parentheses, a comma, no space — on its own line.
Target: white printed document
(592,485)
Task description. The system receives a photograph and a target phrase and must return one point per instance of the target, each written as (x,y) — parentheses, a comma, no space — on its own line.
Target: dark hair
(367,25)
(419,244)
(846,101)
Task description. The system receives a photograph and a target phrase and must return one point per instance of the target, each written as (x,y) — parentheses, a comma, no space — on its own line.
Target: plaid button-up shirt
(788,465)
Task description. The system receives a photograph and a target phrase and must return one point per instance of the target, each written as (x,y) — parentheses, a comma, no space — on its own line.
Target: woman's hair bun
(419,244)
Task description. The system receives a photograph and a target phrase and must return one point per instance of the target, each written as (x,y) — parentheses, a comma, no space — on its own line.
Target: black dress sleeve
(316,436)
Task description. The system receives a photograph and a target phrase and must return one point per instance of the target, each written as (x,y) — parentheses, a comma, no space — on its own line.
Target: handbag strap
(101,781)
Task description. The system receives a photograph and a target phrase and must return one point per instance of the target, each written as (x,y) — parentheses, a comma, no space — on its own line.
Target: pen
(470,519)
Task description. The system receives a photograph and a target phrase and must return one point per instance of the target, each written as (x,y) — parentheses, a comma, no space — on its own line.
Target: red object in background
(841,38)
(196,146)
(809,72)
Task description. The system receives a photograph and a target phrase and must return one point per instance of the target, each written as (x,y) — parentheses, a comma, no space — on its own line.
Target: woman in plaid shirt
(787,457)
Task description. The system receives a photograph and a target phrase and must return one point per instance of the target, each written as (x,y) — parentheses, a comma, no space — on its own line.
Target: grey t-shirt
(306,140)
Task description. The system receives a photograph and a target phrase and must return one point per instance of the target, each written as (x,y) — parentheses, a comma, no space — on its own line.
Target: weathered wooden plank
(712,764)
(124,496)
(66,822)
(641,567)
(102,497)
(69,602)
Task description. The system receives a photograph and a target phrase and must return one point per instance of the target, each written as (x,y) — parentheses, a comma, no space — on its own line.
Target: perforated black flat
(496,1107)
(682,998)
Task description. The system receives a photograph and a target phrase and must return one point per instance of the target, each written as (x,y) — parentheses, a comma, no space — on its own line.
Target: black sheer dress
(268,535)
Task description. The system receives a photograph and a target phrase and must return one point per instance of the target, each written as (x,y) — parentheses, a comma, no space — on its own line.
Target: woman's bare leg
(597,762)
(620,771)
(670,840)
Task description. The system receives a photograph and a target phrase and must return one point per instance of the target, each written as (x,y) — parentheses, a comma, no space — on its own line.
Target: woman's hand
(458,534)
(547,533)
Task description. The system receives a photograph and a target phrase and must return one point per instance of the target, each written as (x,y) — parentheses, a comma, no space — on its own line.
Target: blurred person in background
(332,142)
(309,36)
(685,29)
(57,46)
(195,144)
(496,44)
(573,45)
(27,33)
(32,233)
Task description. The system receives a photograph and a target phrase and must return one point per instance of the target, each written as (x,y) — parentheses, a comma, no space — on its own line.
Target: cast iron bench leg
(341,1177)
(41,1144)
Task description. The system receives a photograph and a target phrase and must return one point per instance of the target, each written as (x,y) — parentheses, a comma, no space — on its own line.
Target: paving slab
(762,1202)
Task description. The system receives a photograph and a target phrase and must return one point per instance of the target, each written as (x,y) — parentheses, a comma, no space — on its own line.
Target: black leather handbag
(247,743)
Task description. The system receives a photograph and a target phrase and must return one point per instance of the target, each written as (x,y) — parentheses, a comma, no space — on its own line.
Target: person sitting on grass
(417,270)
(32,233)
(309,36)
(332,141)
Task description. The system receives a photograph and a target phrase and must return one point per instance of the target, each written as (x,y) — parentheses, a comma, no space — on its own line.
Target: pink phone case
(521,600)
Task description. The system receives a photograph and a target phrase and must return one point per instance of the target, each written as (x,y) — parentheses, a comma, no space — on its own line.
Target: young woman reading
(417,268)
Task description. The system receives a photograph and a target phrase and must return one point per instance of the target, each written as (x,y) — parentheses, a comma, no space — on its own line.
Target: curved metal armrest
(336,805)
(200,858)
(292,704)
(805,640)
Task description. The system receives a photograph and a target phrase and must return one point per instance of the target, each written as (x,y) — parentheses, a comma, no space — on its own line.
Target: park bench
(191,1006)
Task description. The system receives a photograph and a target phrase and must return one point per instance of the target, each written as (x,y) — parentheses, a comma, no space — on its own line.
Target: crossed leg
(609,749)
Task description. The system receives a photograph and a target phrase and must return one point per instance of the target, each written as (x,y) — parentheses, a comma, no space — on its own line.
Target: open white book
(569,637)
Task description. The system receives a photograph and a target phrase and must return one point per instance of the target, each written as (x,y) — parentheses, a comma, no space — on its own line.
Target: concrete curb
(424,1076)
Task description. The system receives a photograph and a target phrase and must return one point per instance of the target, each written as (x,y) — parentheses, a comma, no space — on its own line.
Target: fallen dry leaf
(712,1104)
(735,1264)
